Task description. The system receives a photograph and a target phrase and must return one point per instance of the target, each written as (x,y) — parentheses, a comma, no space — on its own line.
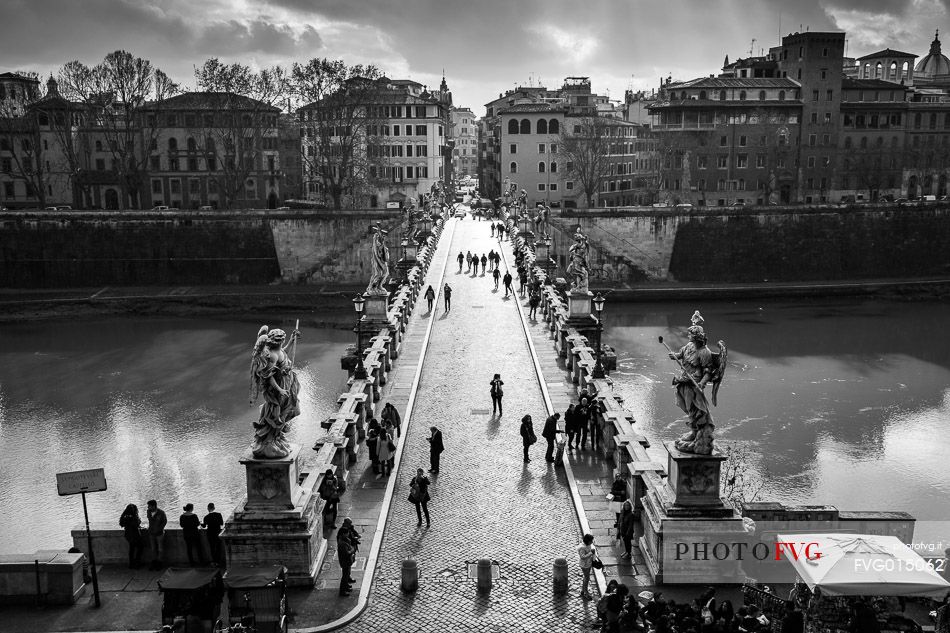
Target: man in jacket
(347,555)
(435,449)
(213,522)
(156,532)
(550,434)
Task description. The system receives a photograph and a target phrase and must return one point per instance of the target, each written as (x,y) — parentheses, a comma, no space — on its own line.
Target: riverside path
(486,501)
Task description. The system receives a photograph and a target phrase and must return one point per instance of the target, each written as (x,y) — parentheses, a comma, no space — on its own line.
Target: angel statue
(273,375)
(579,268)
(700,366)
(409,215)
(541,219)
(380,262)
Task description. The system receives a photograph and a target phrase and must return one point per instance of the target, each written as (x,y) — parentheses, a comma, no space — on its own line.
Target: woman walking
(131,524)
(527,436)
(497,393)
(419,495)
(626,530)
(430,297)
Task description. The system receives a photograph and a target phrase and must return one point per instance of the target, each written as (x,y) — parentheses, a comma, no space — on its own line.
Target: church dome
(935,63)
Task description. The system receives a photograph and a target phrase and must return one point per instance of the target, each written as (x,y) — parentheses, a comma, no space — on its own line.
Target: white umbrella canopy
(863,565)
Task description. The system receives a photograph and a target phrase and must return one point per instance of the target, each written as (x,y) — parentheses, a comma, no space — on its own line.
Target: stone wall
(756,245)
(142,248)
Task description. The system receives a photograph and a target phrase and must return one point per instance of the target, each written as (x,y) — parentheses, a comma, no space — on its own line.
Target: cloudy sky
(485,46)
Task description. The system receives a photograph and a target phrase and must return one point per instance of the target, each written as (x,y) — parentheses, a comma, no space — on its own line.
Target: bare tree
(584,152)
(341,125)
(740,483)
(237,126)
(112,92)
(20,154)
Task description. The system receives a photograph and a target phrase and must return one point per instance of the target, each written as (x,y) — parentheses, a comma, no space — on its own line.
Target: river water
(841,402)
(161,404)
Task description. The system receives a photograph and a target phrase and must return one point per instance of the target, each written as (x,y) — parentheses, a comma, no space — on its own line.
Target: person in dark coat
(493,229)
(347,556)
(390,414)
(131,525)
(527,436)
(430,297)
(497,393)
(372,443)
(582,411)
(533,304)
(570,424)
(550,434)
(157,520)
(626,528)
(507,281)
(419,495)
(330,490)
(190,523)
(461,259)
(213,523)
(522,279)
(435,449)
(447,295)
(484,263)
(496,275)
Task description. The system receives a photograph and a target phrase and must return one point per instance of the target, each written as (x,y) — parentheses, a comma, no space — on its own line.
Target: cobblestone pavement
(486,502)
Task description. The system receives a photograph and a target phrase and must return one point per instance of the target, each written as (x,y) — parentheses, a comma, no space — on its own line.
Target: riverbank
(331,306)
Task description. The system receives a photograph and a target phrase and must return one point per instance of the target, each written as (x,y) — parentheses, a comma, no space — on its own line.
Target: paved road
(486,502)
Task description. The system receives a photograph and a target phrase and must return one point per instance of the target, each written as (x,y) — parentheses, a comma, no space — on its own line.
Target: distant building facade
(465,149)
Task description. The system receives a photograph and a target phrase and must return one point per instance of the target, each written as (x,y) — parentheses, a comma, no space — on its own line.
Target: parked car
(684,205)
(160,207)
(205,208)
(49,208)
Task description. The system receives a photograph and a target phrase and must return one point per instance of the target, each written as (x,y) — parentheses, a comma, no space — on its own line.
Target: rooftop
(211,101)
(888,52)
(736,82)
(847,83)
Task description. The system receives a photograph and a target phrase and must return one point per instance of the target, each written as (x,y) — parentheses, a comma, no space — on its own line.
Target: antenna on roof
(752,48)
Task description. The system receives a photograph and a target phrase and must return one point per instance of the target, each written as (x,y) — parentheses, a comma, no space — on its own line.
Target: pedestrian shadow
(444,316)
(494,426)
(495,291)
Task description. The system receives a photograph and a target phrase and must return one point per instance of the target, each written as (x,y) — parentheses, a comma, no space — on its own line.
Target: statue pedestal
(579,318)
(690,534)
(579,304)
(278,522)
(377,306)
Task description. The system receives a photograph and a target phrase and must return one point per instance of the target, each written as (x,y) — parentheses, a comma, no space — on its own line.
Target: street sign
(80,481)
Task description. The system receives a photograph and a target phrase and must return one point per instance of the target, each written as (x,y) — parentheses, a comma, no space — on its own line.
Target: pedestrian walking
(484,263)
(491,259)
(522,278)
(447,296)
(587,553)
(550,434)
(419,495)
(497,276)
(507,281)
(131,525)
(385,450)
(527,436)
(390,414)
(157,520)
(468,260)
(330,490)
(583,414)
(190,523)
(372,442)
(596,435)
(213,523)
(497,393)
(346,554)
(618,494)
(493,229)
(626,529)
(533,302)
(461,259)
(570,425)
(430,297)
(436,446)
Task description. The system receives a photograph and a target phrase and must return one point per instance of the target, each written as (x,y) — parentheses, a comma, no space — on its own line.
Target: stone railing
(621,443)
(339,447)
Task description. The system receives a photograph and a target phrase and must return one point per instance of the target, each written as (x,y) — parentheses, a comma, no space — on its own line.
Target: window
(722,141)
(827,117)
(722,95)
(552,186)
(540,147)
(553,126)
(540,186)
(194,186)
(554,145)
(395,130)
(864,142)
(542,126)
(8,190)
(541,167)
(814,117)
(814,95)
(701,162)
(760,161)
(101,164)
(212,163)
(761,95)
(742,141)
(824,52)
(175,185)
(812,139)
(781,95)
(811,161)
(824,74)
(722,161)
(825,139)
(192,164)
(742,160)
(513,148)
(422,150)
(524,127)
(830,95)
(172,144)
(742,95)
(569,185)
(409,150)
(172,164)
(420,130)
(513,167)
(553,167)
(512,126)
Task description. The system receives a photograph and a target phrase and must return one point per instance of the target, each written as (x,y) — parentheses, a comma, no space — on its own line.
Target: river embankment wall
(68,249)
(778,244)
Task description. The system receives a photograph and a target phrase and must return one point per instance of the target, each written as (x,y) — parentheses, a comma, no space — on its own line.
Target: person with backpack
(419,495)
(497,393)
(430,297)
(131,524)
(527,436)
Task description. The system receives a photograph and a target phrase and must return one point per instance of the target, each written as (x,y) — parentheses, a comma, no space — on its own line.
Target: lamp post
(360,372)
(599,309)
